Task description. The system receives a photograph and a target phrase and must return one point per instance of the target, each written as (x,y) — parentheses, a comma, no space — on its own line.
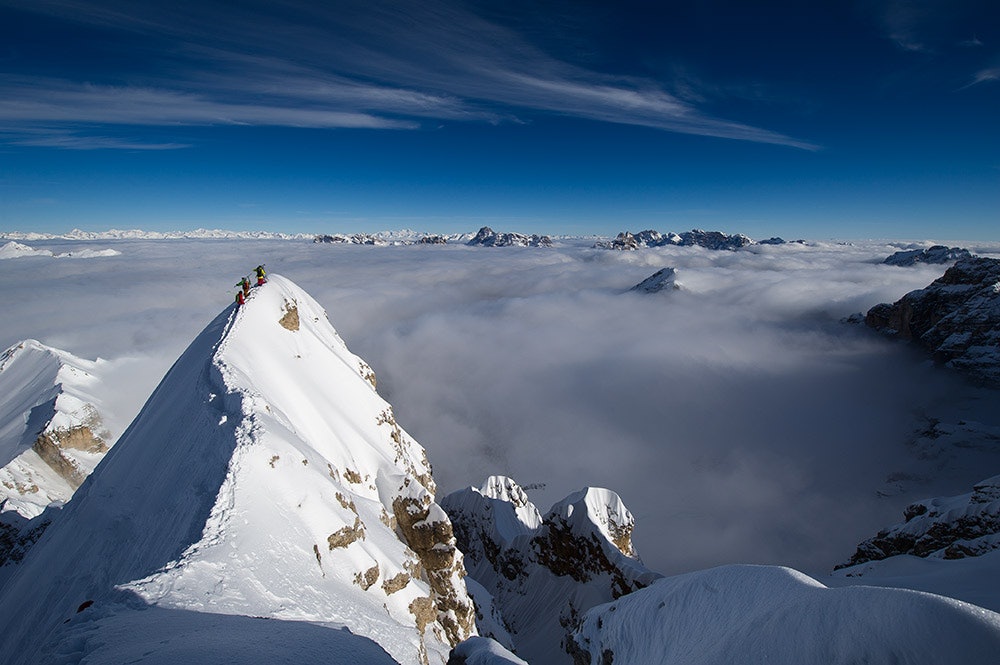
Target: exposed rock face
(354,239)
(290,319)
(51,447)
(956,318)
(658,281)
(52,435)
(715,239)
(935,254)
(544,572)
(948,528)
(696,237)
(433,240)
(487,237)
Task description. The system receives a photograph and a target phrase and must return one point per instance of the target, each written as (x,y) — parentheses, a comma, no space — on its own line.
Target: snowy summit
(264,477)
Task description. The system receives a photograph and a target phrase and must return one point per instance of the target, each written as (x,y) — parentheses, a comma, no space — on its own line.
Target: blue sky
(817,120)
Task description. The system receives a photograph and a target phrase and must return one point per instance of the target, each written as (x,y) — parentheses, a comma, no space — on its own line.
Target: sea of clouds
(739,418)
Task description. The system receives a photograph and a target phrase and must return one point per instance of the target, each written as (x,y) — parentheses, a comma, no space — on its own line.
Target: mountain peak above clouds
(543,572)
(663,279)
(956,318)
(716,240)
(487,237)
(264,477)
(933,254)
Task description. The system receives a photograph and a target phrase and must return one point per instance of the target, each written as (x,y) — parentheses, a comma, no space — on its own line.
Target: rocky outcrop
(715,240)
(487,237)
(665,279)
(52,436)
(947,528)
(353,239)
(428,532)
(956,318)
(290,316)
(543,572)
(433,240)
(934,254)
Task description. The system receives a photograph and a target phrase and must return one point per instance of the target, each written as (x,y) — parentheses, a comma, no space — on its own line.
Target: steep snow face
(544,572)
(957,318)
(52,433)
(767,614)
(264,477)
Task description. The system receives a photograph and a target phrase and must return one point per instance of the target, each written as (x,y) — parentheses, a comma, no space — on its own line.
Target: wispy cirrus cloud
(374,65)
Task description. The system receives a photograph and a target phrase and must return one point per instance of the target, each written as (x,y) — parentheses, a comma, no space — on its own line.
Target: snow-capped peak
(52,433)
(264,477)
(543,573)
(599,509)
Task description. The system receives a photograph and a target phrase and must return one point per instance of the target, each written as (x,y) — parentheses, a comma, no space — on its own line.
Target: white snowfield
(16,250)
(46,390)
(778,616)
(264,477)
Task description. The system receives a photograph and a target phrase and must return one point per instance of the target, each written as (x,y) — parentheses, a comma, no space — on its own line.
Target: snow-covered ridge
(774,615)
(717,240)
(139,234)
(485,237)
(933,254)
(945,527)
(15,250)
(264,477)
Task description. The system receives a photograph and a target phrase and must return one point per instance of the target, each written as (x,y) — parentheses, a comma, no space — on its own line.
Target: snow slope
(264,477)
(14,250)
(52,433)
(775,615)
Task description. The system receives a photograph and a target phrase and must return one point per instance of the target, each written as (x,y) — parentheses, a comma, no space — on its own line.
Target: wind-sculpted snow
(543,573)
(957,318)
(767,614)
(264,477)
(482,651)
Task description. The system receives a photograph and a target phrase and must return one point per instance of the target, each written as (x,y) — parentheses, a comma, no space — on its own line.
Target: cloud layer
(737,417)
